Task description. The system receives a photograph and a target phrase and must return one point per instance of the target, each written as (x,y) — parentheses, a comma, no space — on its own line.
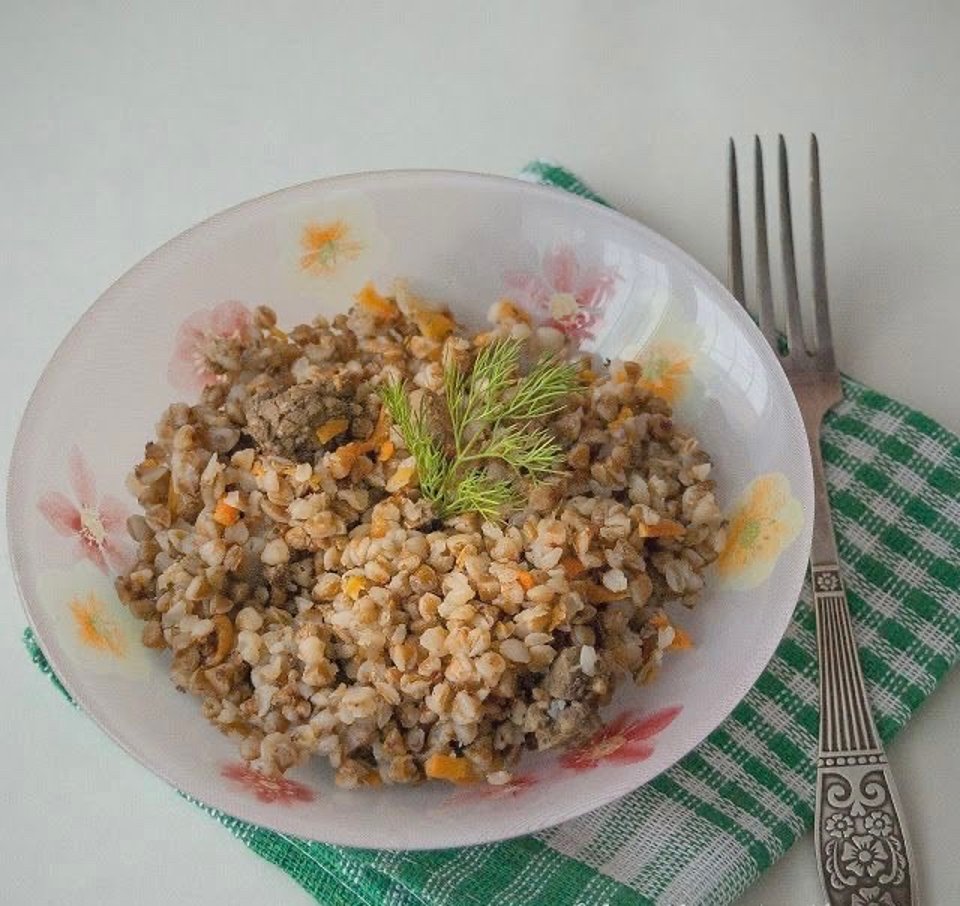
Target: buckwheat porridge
(412,551)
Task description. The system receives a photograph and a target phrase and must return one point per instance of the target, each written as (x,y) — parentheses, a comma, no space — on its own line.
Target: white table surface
(123,124)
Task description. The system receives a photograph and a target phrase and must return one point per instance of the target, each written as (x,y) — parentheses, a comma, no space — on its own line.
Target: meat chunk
(574,711)
(575,722)
(566,680)
(285,422)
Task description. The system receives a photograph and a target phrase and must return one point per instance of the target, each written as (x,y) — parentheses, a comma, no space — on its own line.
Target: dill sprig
(479,492)
(492,410)
(542,391)
(420,440)
(531,452)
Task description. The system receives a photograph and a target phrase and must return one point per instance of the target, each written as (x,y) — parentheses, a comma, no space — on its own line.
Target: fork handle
(863,851)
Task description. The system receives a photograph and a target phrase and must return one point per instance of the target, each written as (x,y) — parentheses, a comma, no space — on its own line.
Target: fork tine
(734,247)
(764,292)
(820,304)
(794,324)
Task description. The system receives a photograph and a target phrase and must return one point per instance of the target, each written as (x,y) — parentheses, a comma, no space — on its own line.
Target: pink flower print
(623,741)
(205,338)
(569,296)
(280,790)
(485,792)
(95,523)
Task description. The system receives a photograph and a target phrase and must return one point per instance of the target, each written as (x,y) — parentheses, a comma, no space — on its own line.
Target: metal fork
(863,852)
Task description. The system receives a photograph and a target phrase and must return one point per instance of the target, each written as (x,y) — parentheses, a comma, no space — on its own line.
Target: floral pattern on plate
(275,790)
(90,623)
(327,245)
(565,293)
(625,740)
(335,248)
(762,525)
(94,523)
(199,337)
(517,785)
(665,369)
(667,361)
(96,628)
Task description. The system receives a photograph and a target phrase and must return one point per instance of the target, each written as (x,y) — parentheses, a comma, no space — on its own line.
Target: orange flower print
(665,369)
(95,628)
(765,522)
(326,245)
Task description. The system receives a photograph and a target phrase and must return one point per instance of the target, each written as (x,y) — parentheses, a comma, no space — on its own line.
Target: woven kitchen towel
(704,830)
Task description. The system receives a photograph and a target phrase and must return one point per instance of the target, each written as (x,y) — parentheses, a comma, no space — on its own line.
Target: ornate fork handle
(863,850)
(862,845)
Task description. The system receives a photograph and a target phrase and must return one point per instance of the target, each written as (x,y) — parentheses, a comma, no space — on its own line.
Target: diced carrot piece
(225,514)
(378,305)
(526,580)
(330,429)
(508,310)
(354,586)
(600,594)
(434,325)
(449,767)
(401,477)
(380,434)
(665,528)
(347,453)
(387,449)
(624,413)
(681,640)
(572,567)
(343,458)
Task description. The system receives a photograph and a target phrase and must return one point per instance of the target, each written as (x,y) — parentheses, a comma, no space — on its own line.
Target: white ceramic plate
(468,240)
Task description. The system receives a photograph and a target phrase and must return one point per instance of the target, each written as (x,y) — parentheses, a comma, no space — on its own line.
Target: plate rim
(465,836)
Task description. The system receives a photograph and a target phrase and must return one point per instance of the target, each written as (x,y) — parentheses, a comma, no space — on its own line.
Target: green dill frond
(542,391)
(534,453)
(492,411)
(496,366)
(479,492)
(494,373)
(432,465)
(455,394)
(394,396)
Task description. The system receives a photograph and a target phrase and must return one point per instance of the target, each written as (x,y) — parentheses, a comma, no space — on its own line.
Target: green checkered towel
(704,830)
